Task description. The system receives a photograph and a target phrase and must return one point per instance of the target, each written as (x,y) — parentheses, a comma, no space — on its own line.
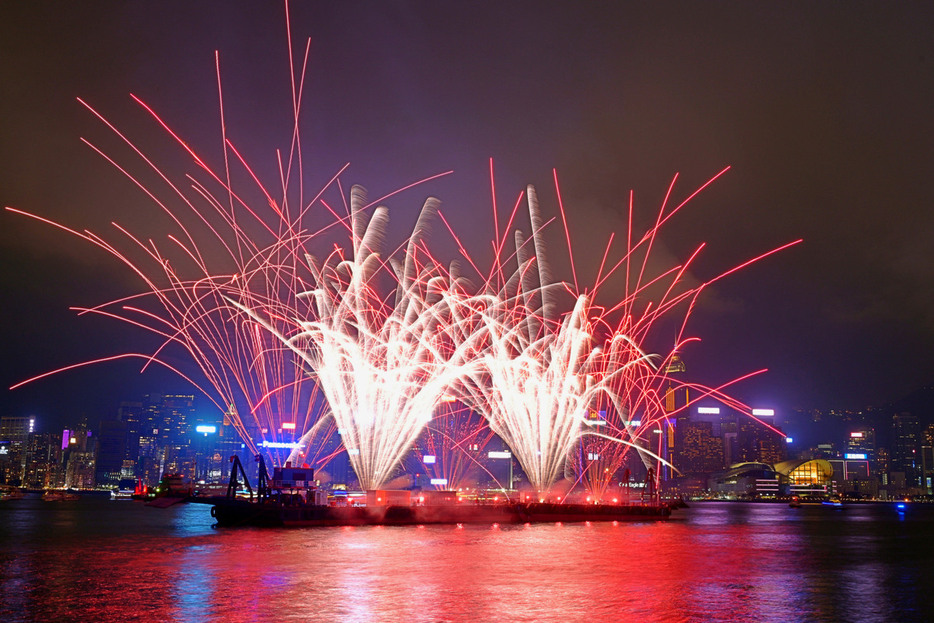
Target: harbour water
(100,560)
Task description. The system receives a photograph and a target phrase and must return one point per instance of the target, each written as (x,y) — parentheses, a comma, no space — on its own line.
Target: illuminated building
(905,449)
(111,451)
(927,469)
(675,398)
(699,449)
(43,461)
(79,456)
(806,478)
(862,441)
(746,480)
(755,442)
(927,460)
(165,436)
(131,413)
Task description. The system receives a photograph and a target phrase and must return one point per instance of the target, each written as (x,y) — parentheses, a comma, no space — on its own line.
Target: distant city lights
(288,425)
(709,410)
(206,428)
(494,454)
(855,456)
(856,435)
(763,412)
(439,481)
(280,444)
(789,440)
(428,459)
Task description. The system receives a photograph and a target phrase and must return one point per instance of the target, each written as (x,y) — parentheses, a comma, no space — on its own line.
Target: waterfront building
(44,461)
(745,481)
(131,413)
(807,478)
(14,433)
(79,454)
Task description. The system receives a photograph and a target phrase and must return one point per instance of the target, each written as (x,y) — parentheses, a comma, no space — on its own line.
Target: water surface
(102,560)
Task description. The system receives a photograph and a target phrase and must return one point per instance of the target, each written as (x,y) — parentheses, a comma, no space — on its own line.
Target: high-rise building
(44,461)
(676,399)
(861,441)
(131,414)
(111,452)
(14,433)
(79,456)
(165,436)
(906,448)
(699,450)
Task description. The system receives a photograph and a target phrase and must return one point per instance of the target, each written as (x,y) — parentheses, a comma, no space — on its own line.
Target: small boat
(795,502)
(833,502)
(125,489)
(57,495)
(8,492)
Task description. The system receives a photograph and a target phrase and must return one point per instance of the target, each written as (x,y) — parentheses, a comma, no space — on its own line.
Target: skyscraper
(906,448)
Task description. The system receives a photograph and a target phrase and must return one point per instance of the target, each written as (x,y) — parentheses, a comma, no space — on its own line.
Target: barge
(290,499)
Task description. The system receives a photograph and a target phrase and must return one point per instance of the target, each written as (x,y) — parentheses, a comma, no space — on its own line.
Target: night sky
(824,111)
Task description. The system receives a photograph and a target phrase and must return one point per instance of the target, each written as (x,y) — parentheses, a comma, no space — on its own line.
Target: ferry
(125,489)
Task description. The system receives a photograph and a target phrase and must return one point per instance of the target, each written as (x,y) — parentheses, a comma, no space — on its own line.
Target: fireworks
(297,340)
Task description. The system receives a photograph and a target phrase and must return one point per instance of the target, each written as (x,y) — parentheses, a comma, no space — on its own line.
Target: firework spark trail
(541,372)
(248,371)
(384,339)
(384,368)
(455,439)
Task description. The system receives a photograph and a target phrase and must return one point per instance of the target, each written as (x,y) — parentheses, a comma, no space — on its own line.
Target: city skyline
(716,452)
(842,319)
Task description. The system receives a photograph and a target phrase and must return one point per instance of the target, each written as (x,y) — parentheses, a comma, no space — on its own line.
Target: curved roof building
(805,471)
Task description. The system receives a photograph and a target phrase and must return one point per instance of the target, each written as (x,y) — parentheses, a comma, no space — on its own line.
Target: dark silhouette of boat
(290,501)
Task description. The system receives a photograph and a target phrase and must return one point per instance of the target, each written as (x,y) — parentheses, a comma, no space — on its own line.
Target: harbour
(96,559)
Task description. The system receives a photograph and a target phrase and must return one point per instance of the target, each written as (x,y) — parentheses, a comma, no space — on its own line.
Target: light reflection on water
(100,560)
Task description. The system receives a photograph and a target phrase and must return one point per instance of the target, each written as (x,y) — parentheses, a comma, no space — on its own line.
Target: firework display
(298,339)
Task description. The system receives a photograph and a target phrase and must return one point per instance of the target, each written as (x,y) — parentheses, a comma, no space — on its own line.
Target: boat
(289,499)
(289,513)
(174,486)
(8,492)
(833,502)
(124,490)
(59,495)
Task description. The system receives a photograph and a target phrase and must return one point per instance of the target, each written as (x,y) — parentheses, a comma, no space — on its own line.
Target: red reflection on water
(721,563)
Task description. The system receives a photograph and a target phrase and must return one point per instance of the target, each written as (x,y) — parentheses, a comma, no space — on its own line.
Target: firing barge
(290,499)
